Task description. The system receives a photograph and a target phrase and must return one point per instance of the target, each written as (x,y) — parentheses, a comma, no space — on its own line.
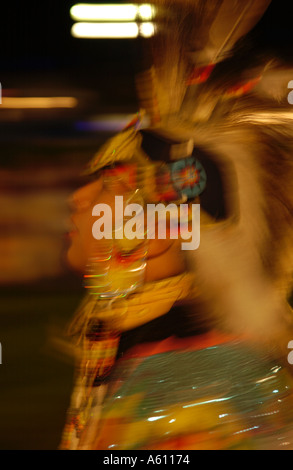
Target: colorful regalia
(174,386)
(196,361)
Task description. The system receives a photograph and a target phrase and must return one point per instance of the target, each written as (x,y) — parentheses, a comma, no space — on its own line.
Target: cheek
(83,245)
(81,242)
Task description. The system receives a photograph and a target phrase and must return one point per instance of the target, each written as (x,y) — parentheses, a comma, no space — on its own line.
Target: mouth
(72,233)
(72,229)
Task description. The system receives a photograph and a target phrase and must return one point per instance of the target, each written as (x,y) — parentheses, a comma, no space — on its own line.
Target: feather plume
(192,33)
(244,264)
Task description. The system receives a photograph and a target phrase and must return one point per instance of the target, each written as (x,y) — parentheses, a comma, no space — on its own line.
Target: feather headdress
(240,116)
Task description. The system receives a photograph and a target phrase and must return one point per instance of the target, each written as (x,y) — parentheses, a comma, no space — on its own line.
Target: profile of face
(164,258)
(82,202)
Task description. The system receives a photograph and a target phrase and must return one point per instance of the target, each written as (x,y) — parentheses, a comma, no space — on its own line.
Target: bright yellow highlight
(112,30)
(146,12)
(127,12)
(147,30)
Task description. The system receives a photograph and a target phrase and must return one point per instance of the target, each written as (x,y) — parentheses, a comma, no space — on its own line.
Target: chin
(74,261)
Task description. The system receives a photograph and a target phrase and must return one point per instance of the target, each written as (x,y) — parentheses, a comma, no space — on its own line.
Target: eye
(86,179)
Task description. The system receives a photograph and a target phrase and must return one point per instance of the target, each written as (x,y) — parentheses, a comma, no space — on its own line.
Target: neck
(165,262)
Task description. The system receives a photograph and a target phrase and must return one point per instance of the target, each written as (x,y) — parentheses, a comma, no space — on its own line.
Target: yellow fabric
(146,304)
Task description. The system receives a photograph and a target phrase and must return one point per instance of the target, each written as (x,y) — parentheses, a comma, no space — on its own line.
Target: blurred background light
(127,12)
(108,123)
(112,30)
(146,12)
(38,102)
(147,30)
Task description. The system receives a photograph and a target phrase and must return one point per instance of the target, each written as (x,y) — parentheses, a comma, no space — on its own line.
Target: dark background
(41,153)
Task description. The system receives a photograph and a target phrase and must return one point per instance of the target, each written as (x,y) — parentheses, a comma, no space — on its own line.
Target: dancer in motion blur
(187,349)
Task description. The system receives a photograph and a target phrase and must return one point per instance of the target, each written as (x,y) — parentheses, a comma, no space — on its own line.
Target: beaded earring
(117,265)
